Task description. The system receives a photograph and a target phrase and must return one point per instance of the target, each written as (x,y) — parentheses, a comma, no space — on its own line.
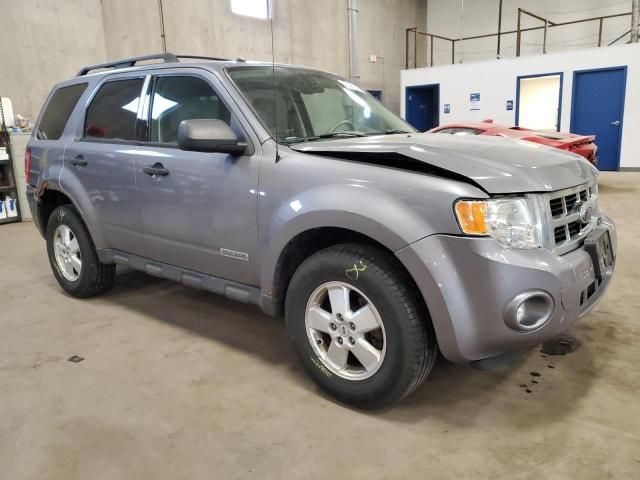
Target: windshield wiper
(388,132)
(324,136)
(346,133)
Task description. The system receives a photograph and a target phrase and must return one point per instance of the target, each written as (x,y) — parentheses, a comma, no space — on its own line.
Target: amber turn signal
(471,216)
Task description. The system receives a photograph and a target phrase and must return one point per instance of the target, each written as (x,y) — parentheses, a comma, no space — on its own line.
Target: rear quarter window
(58,111)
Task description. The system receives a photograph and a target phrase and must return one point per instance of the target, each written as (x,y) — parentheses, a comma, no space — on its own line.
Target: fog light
(529,310)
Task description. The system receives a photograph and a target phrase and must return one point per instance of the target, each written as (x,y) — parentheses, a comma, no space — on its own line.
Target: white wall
(43,42)
(46,41)
(496,82)
(306,32)
(479,17)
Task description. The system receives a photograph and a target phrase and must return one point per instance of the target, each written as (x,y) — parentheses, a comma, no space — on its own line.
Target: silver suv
(295,190)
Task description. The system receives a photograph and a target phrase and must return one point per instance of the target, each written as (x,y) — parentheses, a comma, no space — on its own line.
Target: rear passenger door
(102,160)
(202,215)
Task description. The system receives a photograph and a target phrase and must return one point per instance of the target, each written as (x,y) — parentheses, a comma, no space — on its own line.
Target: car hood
(496,164)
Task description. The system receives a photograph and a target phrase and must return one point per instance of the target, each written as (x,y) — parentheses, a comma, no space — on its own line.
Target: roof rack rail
(130,62)
(200,57)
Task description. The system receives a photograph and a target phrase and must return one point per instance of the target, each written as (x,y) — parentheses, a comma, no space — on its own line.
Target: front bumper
(466,283)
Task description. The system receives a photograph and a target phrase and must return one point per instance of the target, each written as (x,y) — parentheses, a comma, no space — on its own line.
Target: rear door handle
(156,170)
(78,161)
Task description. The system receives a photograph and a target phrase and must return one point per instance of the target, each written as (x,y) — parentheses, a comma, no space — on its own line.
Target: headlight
(508,220)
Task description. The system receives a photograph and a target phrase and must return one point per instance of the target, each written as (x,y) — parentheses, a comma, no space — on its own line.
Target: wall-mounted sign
(447,108)
(509,104)
(474,101)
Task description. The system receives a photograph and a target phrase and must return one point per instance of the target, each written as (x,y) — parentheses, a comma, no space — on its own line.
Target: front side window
(113,111)
(304,105)
(58,111)
(182,98)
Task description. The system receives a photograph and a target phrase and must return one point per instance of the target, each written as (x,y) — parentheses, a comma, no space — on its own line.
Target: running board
(230,289)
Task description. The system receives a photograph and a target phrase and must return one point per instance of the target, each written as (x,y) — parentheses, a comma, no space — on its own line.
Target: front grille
(557,207)
(574,228)
(569,228)
(570,201)
(560,234)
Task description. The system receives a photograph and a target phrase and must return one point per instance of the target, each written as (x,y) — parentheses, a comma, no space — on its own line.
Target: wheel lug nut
(340,340)
(339,317)
(352,340)
(352,325)
(332,326)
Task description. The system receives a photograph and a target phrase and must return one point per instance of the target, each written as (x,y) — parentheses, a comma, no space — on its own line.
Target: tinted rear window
(113,111)
(57,113)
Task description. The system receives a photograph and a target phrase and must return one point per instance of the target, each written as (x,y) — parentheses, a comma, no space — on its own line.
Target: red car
(581,144)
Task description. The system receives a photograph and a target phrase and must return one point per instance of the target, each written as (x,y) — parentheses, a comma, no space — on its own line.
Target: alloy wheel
(67,253)
(345,331)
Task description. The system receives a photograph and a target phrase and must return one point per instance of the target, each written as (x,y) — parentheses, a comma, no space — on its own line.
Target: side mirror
(209,135)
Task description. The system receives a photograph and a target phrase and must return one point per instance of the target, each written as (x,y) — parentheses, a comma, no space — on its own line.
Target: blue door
(597,109)
(422,106)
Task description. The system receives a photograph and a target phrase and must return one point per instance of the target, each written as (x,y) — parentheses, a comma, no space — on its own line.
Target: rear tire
(73,257)
(398,348)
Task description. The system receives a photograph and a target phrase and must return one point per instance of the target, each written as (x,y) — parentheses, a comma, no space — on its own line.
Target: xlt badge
(225,252)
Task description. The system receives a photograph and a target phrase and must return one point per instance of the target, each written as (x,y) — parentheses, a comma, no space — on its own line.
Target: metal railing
(431,37)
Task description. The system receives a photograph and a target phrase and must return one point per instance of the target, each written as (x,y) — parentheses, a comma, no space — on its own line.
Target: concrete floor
(181,384)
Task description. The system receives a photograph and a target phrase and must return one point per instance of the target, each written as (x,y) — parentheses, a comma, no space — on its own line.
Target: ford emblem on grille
(586,212)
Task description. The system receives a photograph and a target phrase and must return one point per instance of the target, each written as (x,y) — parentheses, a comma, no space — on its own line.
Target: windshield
(308,105)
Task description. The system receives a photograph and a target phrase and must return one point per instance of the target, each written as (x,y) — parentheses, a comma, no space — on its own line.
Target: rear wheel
(73,256)
(361,331)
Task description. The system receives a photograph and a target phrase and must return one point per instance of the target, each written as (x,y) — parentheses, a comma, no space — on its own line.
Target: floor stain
(561,345)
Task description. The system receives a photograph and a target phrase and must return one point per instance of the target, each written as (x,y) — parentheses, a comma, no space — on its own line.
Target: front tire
(361,331)
(73,257)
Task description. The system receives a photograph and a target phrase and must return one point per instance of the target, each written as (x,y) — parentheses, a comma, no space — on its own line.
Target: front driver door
(202,214)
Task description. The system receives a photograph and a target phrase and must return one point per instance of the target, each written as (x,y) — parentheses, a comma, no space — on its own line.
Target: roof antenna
(162,34)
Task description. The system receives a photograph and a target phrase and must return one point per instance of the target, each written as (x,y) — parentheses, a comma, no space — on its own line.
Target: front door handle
(78,161)
(616,123)
(156,170)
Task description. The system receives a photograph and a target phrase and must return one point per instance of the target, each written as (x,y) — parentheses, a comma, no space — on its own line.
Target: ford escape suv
(295,190)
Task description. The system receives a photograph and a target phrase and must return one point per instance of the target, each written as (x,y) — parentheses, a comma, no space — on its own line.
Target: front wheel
(359,327)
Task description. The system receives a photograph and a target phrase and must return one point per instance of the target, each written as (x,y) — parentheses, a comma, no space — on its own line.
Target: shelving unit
(8,185)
